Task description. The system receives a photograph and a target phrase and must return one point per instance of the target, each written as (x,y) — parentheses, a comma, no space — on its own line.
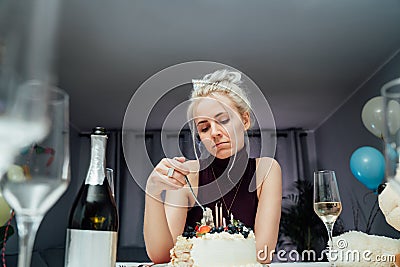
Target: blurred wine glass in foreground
(391,135)
(327,204)
(23,120)
(34,155)
(28,42)
(39,174)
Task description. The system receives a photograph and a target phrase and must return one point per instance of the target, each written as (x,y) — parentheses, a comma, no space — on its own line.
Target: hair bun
(224,76)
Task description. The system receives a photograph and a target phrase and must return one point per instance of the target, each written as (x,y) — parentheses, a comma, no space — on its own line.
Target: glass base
(27,229)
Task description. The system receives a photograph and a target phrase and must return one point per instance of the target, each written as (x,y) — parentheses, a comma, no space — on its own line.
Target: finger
(163,169)
(180,159)
(172,183)
(177,165)
(175,174)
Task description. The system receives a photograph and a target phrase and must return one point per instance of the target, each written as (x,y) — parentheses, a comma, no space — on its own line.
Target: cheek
(206,140)
(209,145)
(234,131)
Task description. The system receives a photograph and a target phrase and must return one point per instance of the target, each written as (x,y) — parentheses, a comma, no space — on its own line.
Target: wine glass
(23,119)
(39,174)
(391,132)
(327,204)
(110,178)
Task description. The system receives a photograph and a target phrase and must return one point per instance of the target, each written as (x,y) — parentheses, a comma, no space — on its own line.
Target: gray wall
(340,135)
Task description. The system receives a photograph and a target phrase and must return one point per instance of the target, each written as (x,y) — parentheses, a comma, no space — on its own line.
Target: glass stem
(27,229)
(329,228)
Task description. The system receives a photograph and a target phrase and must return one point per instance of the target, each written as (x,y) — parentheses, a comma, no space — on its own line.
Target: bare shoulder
(268,175)
(268,169)
(267,164)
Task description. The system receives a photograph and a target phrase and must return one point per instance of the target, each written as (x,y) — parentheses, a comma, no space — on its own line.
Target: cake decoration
(235,227)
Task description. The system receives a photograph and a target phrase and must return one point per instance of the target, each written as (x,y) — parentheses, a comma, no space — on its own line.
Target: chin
(223,154)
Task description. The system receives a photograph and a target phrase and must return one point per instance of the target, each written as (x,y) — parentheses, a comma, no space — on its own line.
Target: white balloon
(372,116)
(393,116)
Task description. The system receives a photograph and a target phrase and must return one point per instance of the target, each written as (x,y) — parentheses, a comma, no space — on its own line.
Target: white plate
(301,264)
(287,264)
(134,264)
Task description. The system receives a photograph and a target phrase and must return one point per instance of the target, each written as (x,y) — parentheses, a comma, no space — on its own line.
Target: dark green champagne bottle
(93,221)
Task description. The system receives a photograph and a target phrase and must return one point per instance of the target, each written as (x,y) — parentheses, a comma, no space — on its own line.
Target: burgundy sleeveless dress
(233,189)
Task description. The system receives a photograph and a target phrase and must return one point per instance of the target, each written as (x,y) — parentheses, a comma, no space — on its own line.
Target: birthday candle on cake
(220,215)
(216,215)
(224,222)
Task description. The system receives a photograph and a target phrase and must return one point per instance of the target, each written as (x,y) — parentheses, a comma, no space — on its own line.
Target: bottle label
(96,173)
(91,248)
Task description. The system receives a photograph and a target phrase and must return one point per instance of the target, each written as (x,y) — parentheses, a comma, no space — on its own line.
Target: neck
(220,165)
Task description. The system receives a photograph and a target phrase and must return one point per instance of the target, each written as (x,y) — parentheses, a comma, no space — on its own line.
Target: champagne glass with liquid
(39,174)
(327,204)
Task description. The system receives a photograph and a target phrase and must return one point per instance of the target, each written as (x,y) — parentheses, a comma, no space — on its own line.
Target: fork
(191,189)
(194,195)
(207,213)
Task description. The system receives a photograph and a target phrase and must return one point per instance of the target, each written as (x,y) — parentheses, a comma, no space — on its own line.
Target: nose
(215,129)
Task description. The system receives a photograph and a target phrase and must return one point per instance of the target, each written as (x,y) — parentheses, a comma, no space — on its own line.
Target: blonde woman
(219,116)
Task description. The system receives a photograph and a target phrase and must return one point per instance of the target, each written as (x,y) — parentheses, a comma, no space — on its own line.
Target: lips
(221,144)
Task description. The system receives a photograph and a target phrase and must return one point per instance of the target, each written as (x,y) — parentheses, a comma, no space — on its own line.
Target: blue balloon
(368,165)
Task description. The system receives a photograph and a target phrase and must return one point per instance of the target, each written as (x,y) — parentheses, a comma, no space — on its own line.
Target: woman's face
(220,126)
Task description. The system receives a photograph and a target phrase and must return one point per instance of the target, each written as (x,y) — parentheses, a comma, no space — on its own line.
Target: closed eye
(224,121)
(205,129)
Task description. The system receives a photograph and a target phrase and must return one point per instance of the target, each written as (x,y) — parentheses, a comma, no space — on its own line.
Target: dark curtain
(296,154)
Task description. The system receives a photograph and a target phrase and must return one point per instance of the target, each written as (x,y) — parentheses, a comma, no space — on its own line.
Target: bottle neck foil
(96,173)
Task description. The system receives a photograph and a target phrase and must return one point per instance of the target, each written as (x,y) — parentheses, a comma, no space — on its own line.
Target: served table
(289,264)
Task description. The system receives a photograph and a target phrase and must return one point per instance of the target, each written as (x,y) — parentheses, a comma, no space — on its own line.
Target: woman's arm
(177,202)
(269,207)
(176,207)
(157,234)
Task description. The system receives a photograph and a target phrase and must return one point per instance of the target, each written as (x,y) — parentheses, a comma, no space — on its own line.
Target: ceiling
(307,56)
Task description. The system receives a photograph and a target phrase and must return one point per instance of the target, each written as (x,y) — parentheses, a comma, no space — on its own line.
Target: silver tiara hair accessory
(197,84)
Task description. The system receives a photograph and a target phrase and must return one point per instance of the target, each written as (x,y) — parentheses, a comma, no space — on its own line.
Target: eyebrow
(216,116)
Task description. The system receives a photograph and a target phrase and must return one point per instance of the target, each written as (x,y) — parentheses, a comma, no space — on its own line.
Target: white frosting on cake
(215,250)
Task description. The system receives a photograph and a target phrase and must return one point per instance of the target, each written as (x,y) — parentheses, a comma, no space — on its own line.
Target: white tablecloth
(292,264)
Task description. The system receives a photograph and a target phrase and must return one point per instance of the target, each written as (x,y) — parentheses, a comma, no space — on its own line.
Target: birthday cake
(205,246)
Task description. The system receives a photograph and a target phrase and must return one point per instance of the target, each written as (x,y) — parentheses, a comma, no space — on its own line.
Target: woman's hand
(160,180)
